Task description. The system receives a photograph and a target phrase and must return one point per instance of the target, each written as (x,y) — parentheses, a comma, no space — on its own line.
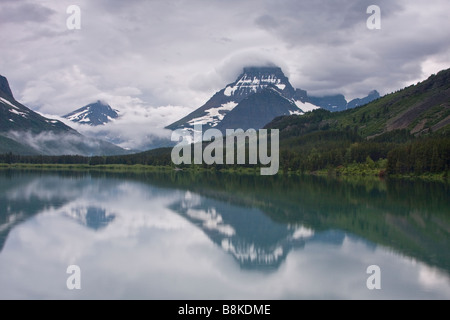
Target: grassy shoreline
(85,167)
(362,171)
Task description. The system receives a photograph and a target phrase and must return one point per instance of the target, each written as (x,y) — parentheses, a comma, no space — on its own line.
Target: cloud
(139,128)
(267,22)
(24,12)
(51,143)
(339,54)
(180,53)
(233,64)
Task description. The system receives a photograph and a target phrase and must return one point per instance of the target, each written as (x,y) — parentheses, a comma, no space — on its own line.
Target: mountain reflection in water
(158,235)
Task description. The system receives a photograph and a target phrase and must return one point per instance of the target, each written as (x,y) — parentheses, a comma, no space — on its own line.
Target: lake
(184,235)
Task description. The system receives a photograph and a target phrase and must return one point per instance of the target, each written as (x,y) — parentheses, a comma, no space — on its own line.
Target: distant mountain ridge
(94,114)
(373,95)
(338,102)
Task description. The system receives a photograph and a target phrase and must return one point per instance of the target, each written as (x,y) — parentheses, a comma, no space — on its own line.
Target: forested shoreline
(324,151)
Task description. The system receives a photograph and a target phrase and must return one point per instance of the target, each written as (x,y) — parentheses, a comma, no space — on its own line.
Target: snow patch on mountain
(306,106)
(79,117)
(297,112)
(302,232)
(214,115)
(23,114)
(8,103)
(211,220)
(14,109)
(253,84)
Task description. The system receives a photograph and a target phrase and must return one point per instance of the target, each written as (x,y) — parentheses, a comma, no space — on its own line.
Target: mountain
(416,110)
(253,81)
(242,232)
(339,103)
(27,195)
(257,96)
(23,131)
(94,114)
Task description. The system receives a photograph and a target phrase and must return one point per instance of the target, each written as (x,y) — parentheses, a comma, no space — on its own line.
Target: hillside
(410,129)
(418,109)
(9,145)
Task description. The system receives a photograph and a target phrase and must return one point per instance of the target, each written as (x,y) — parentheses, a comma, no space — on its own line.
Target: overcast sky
(147,54)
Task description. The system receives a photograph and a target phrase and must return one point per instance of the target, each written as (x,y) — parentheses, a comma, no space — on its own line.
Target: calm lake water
(217,236)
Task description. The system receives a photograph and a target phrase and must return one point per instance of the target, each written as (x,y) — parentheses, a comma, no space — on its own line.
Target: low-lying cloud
(138,127)
(51,143)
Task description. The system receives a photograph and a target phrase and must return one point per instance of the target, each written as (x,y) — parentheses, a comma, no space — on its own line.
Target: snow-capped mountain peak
(255,79)
(252,81)
(94,114)
(258,95)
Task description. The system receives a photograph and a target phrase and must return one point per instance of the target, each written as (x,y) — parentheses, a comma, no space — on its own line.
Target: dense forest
(388,154)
